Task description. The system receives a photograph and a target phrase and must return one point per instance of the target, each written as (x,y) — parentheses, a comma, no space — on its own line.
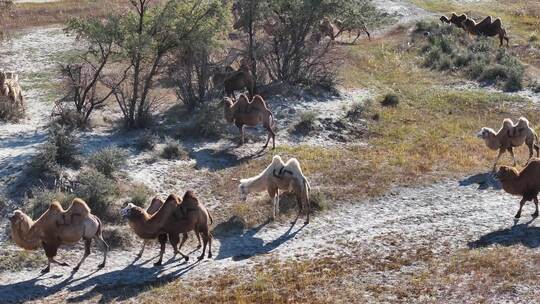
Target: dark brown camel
(487,27)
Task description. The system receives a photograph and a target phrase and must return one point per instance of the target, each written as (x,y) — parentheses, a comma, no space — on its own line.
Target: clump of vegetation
(118,237)
(147,141)
(390,100)
(318,201)
(139,195)
(17,260)
(10,111)
(108,160)
(307,123)
(447,49)
(207,121)
(97,190)
(60,149)
(173,149)
(41,199)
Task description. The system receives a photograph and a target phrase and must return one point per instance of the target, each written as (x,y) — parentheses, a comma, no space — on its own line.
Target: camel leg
(357,36)
(162,241)
(535,214)
(205,242)
(242,134)
(104,247)
(501,152)
(308,211)
(199,240)
(521,203)
(209,245)
(139,255)
(173,239)
(267,140)
(511,151)
(87,243)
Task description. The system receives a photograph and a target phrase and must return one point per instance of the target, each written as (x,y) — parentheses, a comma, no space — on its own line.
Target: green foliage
(60,149)
(208,120)
(447,49)
(108,160)
(97,190)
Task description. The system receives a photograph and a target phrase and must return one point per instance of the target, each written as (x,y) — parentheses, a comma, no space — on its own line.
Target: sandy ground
(442,217)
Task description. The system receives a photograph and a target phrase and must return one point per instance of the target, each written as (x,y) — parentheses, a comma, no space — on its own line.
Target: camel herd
(526,182)
(486,27)
(162,220)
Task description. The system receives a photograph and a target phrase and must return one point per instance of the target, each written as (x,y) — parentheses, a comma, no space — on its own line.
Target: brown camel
(525,183)
(58,227)
(155,205)
(241,79)
(488,28)
(246,113)
(327,29)
(173,218)
(455,19)
(343,28)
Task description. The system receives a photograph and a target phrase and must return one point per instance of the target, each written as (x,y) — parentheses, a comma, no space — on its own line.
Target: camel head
(19,217)
(242,191)
(132,212)
(506,173)
(485,133)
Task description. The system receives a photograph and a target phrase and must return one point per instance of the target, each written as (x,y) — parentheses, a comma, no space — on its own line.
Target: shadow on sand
(215,160)
(522,234)
(240,244)
(484,181)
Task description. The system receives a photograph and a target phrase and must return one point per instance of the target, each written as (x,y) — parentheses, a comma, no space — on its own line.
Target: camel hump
(155,204)
(55,207)
(78,206)
(189,196)
(276,160)
(259,102)
(486,22)
(173,198)
(497,23)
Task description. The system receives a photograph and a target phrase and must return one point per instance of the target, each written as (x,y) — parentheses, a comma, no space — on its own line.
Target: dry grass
(466,276)
(40,14)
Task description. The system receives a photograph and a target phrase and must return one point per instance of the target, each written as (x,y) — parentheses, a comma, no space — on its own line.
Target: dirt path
(33,54)
(442,217)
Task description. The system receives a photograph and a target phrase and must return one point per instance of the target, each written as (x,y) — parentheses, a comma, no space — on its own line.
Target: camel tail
(210,216)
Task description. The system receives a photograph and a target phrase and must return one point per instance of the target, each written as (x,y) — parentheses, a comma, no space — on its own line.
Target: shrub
(318,201)
(533,37)
(97,190)
(118,237)
(42,198)
(64,140)
(139,195)
(208,120)
(69,118)
(445,63)
(17,260)
(390,100)
(147,141)
(10,111)
(173,149)
(306,123)
(108,160)
(44,162)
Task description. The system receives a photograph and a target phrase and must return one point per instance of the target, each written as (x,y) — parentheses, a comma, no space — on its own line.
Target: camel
(58,227)
(510,136)
(487,27)
(525,183)
(174,217)
(342,28)
(246,113)
(220,74)
(155,204)
(280,176)
(327,29)
(455,19)
(9,87)
(241,79)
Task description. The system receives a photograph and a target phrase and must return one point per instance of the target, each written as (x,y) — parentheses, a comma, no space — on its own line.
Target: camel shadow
(215,160)
(484,181)
(126,283)
(240,244)
(523,234)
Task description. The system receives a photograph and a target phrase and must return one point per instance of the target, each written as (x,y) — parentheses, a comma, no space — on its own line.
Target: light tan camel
(287,177)
(58,227)
(245,113)
(9,87)
(510,136)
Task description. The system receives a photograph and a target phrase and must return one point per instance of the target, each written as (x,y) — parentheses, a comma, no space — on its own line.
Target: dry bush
(98,191)
(10,111)
(108,160)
